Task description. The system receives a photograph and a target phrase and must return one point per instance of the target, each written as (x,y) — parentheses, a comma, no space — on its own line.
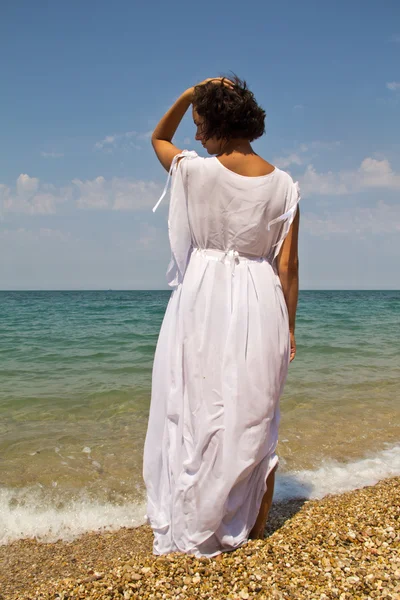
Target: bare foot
(256,535)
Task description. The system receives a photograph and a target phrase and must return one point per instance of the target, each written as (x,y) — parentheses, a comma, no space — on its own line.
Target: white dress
(221,359)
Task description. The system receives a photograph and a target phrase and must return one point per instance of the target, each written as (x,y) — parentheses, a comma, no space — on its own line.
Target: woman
(228,332)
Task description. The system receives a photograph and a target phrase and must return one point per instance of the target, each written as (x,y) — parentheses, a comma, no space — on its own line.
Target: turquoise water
(75,374)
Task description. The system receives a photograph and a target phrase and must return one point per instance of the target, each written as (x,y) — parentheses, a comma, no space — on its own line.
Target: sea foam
(25,514)
(333,477)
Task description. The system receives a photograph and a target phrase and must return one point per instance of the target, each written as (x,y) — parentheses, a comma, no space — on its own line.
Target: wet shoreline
(342,546)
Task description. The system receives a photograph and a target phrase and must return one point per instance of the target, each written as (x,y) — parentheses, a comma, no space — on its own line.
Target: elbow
(155,137)
(156,140)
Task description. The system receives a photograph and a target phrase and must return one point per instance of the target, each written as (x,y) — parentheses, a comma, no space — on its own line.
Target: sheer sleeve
(287,218)
(178,223)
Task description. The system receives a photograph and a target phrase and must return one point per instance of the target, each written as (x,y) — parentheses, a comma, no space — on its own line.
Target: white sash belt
(228,257)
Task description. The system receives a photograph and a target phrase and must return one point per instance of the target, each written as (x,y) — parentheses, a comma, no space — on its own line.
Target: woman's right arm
(288,271)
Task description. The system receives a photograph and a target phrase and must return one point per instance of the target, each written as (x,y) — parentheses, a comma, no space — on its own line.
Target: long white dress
(221,359)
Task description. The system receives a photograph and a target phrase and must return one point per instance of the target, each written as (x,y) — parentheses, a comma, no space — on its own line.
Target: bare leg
(257,533)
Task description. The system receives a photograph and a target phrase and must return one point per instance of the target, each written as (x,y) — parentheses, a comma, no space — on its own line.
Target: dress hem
(272,464)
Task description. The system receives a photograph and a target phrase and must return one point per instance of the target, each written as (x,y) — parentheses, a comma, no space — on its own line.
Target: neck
(237,145)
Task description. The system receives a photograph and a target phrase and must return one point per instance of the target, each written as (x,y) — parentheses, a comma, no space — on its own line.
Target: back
(228,211)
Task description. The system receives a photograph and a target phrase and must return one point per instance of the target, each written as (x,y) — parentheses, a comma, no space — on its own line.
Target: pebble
(342,547)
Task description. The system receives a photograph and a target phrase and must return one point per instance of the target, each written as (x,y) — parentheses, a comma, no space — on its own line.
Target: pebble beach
(343,546)
(74,399)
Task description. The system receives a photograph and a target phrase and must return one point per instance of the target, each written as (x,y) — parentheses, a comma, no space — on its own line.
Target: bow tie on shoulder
(188,154)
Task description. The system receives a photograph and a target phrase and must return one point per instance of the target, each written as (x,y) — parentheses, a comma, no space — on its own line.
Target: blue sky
(85,83)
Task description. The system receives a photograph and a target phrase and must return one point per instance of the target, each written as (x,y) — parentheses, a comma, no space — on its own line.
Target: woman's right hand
(292,346)
(227,83)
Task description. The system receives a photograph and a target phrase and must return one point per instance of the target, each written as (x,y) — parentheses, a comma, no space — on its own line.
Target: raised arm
(165,130)
(288,270)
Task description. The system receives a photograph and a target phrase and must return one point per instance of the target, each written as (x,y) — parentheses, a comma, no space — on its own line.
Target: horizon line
(171,290)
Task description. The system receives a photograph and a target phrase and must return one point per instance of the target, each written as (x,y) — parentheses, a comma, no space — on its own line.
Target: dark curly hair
(229,112)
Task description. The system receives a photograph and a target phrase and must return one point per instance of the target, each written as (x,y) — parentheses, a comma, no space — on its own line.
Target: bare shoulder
(263,165)
(249,165)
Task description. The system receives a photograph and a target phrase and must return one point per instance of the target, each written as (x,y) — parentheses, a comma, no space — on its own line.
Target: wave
(25,513)
(333,477)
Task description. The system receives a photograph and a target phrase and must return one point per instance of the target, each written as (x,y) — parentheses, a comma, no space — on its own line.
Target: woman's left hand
(292,346)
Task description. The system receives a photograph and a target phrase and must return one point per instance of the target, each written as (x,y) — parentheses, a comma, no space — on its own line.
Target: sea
(75,386)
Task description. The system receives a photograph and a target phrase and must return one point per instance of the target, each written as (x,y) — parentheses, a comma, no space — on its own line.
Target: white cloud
(285,161)
(393,86)
(116,194)
(329,182)
(378,173)
(51,154)
(92,194)
(145,136)
(26,185)
(109,139)
(372,173)
(299,155)
(359,221)
(120,140)
(30,197)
